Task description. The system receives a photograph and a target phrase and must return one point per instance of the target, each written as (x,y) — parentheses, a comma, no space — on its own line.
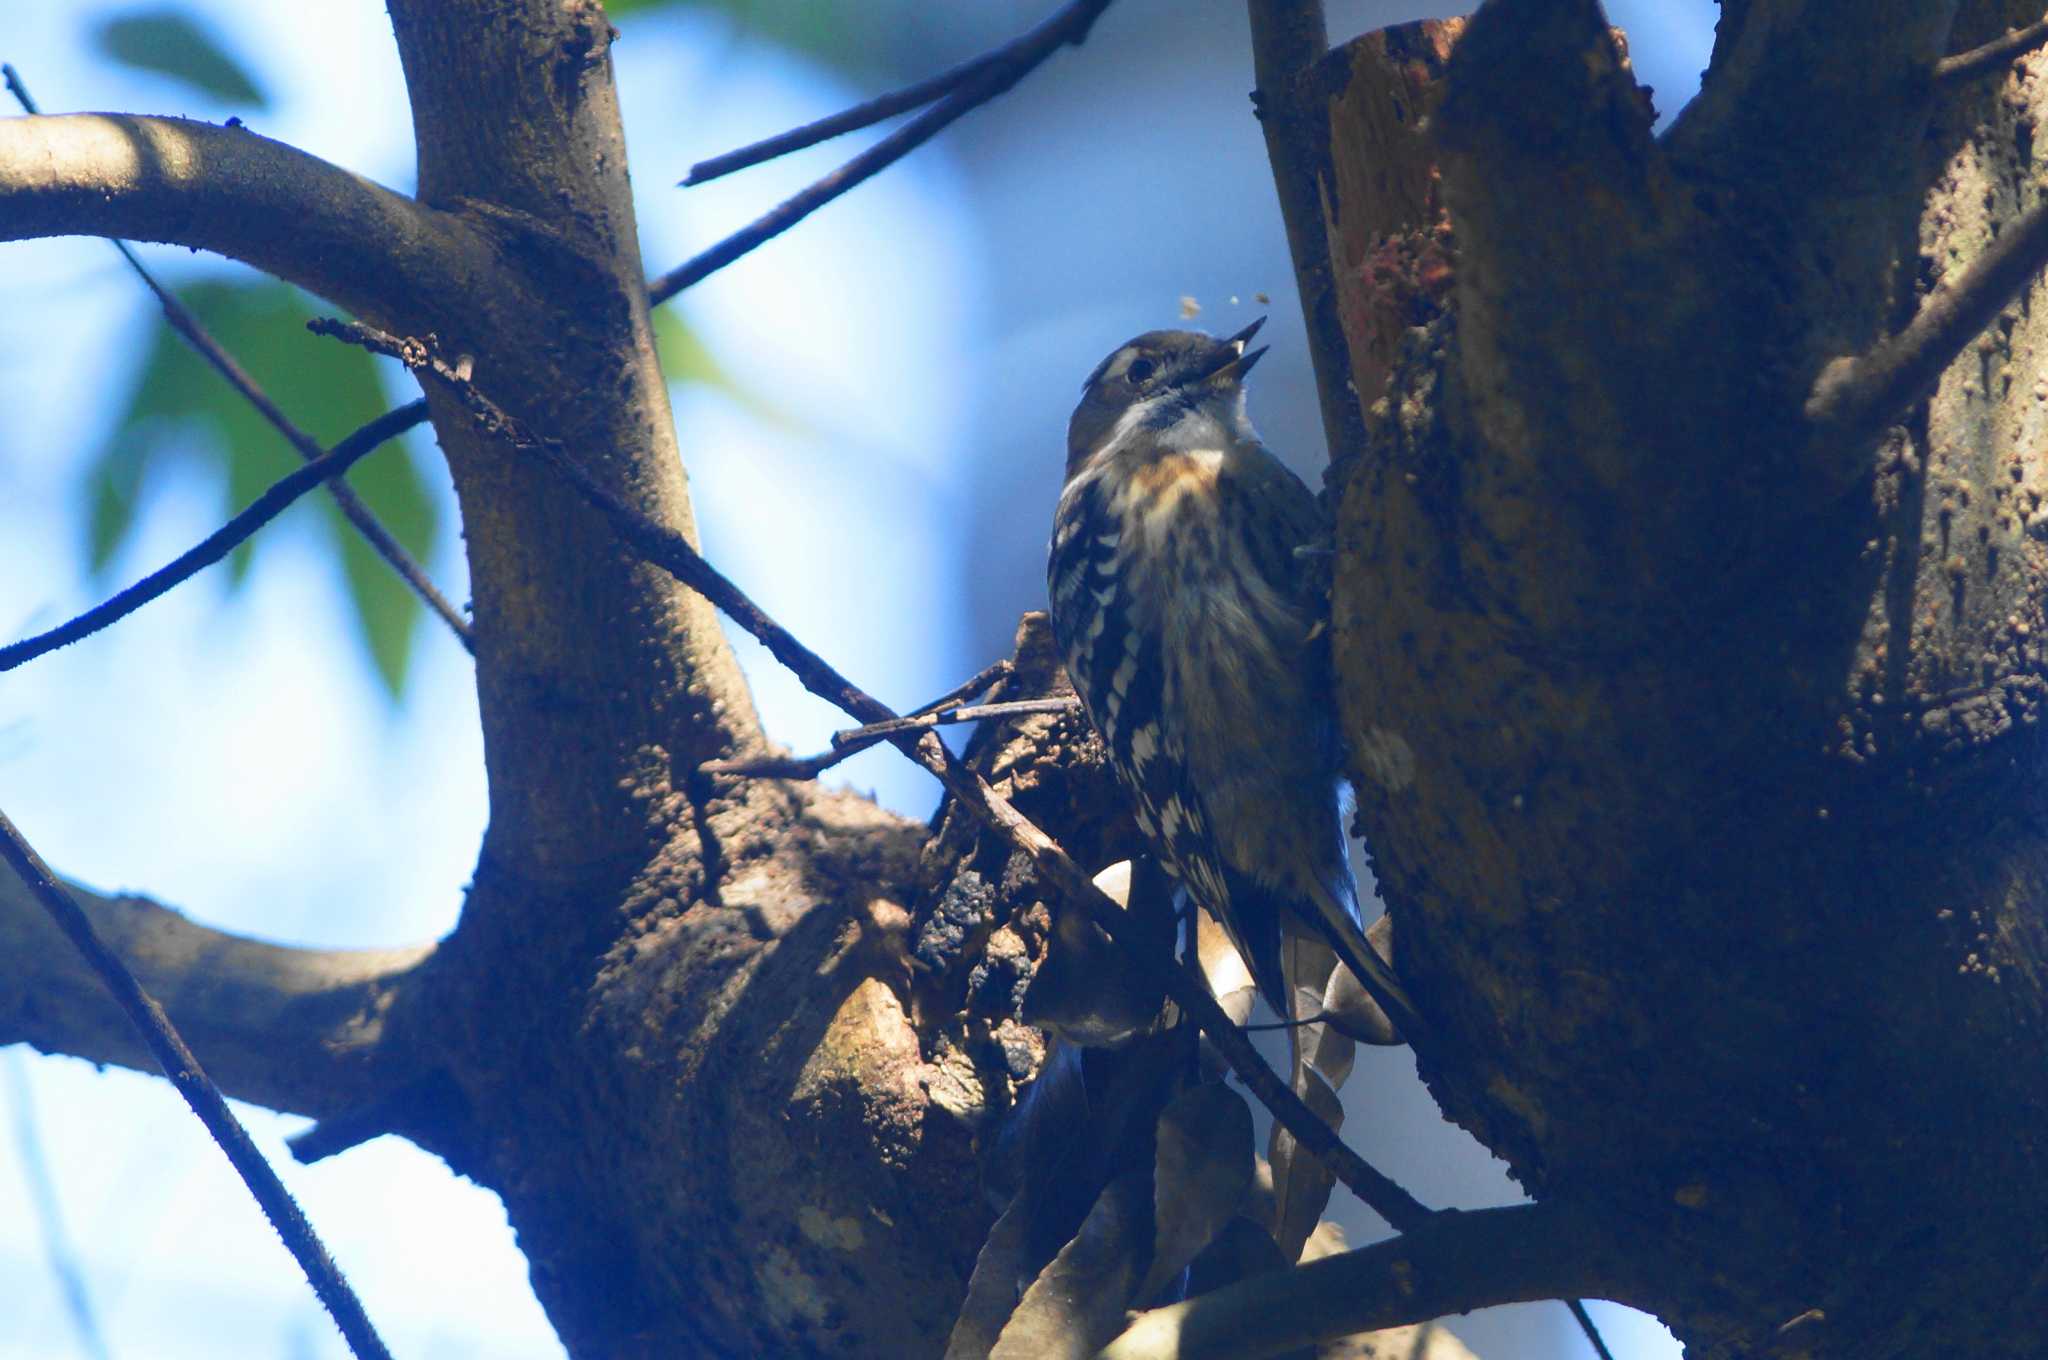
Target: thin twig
(914,722)
(1992,56)
(884,106)
(1070,25)
(185,1073)
(847,120)
(222,541)
(854,740)
(195,334)
(670,551)
(810,767)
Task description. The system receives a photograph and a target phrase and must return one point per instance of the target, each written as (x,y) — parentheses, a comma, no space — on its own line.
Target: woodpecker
(1183,603)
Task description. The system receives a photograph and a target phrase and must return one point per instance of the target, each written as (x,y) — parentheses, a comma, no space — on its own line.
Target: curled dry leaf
(1242,1248)
(1086,991)
(1301,1183)
(1323,1046)
(1203,1166)
(992,1290)
(1230,981)
(1347,1005)
(1076,1305)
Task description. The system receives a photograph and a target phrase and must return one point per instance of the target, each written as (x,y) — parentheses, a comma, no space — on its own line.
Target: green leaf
(113,488)
(326,389)
(387,613)
(172,43)
(838,35)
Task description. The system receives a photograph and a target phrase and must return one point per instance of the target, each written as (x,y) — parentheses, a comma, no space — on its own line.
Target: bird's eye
(1139,370)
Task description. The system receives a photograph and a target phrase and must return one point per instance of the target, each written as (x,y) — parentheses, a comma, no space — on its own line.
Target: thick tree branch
(1452,1264)
(1996,55)
(599,679)
(1855,397)
(241,195)
(289,1029)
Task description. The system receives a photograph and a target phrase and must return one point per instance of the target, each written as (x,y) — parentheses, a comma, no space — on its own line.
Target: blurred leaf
(839,35)
(327,390)
(685,358)
(171,42)
(113,486)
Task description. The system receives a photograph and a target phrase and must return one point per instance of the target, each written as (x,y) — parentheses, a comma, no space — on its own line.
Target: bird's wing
(1120,674)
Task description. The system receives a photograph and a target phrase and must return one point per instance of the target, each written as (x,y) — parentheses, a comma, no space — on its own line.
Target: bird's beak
(1234,361)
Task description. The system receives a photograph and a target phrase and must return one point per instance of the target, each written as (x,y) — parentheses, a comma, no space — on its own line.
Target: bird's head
(1175,389)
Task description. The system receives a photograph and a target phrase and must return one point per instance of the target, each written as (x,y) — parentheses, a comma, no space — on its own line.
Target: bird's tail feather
(1340,927)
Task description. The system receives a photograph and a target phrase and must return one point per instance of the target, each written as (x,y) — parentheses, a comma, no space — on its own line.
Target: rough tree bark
(1694,732)
(1697,737)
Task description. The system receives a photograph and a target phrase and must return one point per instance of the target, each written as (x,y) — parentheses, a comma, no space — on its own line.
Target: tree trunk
(1697,741)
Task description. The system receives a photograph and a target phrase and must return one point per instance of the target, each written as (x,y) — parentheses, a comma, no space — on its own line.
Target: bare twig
(854,740)
(1856,396)
(1995,55)
(221,541)
(185,1073)
(810,767)
(181,320)
(1015,708)
(1031,48)
(673,553)
(1070,25)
